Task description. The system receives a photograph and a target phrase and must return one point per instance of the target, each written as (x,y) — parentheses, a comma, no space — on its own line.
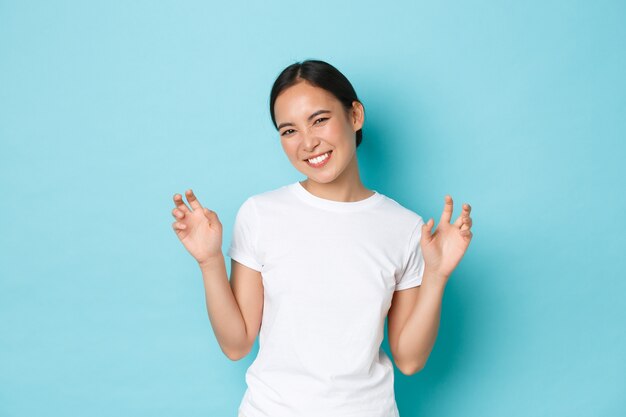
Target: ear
(357,115)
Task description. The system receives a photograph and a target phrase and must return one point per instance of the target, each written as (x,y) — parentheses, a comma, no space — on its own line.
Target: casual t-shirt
(329,270)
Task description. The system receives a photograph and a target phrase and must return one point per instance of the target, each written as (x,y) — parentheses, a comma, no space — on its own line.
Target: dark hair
(320,74)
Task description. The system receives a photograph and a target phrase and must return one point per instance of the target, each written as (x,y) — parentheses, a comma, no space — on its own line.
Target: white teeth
(319,158)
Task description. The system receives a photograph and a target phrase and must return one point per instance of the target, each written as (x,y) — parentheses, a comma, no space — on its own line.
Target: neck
(346,188)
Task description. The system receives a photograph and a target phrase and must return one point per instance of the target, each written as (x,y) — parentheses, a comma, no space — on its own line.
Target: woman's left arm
(442,251)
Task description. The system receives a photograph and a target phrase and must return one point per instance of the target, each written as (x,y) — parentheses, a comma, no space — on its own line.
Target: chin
(322,179)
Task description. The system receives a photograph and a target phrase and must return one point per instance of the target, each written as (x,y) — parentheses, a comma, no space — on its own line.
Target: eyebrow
(308,119)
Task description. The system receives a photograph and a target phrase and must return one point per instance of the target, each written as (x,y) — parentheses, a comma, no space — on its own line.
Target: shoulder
(403,214)
(270,199)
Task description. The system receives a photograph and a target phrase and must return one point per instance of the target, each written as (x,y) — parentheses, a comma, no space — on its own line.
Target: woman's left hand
(444,248)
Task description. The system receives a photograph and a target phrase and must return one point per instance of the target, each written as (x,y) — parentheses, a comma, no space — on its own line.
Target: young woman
(317,265)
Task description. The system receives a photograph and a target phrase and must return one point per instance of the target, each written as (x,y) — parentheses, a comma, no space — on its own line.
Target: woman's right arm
(235,307)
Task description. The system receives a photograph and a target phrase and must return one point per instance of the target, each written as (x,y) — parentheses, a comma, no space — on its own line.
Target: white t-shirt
(329,270)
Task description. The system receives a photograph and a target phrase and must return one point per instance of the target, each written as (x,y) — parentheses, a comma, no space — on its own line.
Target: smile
(319,161)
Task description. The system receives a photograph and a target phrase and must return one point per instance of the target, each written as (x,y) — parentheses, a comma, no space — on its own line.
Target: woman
(321,263)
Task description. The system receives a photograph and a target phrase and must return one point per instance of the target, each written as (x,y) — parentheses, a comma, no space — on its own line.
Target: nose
(310,141)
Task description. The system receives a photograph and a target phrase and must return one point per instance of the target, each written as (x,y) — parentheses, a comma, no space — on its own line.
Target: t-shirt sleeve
(414,261)
(243,245)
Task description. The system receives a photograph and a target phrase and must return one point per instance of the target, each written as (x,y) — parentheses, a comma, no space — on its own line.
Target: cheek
(341,127)
(333,131)
(342,133)
(290,148)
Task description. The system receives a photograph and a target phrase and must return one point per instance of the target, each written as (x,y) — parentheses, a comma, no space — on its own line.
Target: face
(312,122)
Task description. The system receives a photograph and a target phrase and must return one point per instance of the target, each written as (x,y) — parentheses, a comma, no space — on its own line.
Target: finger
(447,211)
(467,223)
(208,214)
(178,226)
(467,234)
(207,211)
(180,204)
(464,213)
(193,201)
(426,231)
(179,214)
(211,215)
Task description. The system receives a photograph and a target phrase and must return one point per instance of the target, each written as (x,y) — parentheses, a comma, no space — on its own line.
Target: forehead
(302,99)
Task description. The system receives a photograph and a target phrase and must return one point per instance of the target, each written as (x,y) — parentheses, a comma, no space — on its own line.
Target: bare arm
(234,307)
(415,314)
(414,323)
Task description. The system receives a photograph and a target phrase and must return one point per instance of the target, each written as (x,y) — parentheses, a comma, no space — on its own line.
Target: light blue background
(109,108)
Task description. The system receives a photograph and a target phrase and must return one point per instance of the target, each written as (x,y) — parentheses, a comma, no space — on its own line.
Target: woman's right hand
(198,228)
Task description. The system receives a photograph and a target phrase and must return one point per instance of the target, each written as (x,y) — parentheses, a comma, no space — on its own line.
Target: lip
(321,164)
(319,154)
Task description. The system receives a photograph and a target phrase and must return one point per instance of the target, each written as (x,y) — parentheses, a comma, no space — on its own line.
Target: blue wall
(109,108)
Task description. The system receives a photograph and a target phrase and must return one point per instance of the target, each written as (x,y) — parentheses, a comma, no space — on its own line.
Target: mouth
(319,160)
